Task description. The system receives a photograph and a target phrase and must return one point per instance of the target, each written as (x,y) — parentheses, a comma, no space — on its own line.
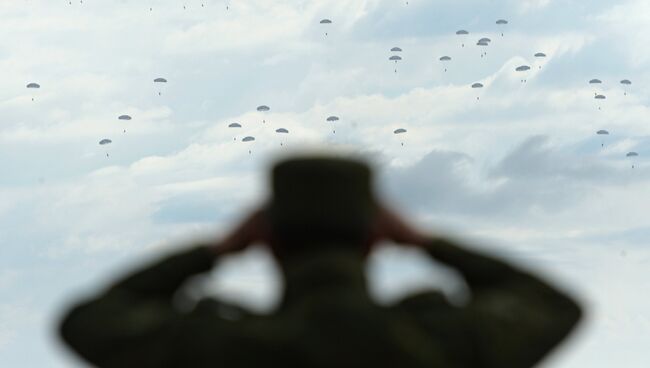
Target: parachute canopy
(482,43)
(333,118)
(626,81)
(522,68)
(325,21)
(281,130)
(485,39)
(462,32)
(445,58)
(124,117)
(396,49)
(595,81)
(602,132)
(105,141)
(540,55)
(632,154)
(600,97)
(502,21)
(263,108)
(399,131)
(33,85)
(395,57)
(160,80)
(248,139)
(477,85)
(234,125)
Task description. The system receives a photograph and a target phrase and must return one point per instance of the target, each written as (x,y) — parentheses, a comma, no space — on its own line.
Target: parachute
(632,154)
(395,58)
(332,119)
(104,142)
(400,131)
(248,139)
(484,42)
(602,132)
(124,117)
(477,85)
(595,81)
(234,125)
(522,68)
(626,82)
(33,86)
(281,131)
(600,97)
(263,108)
(462,32)
(396,49)
(445,58)
(325,21)
(502,22)
(160,80)
(540,55)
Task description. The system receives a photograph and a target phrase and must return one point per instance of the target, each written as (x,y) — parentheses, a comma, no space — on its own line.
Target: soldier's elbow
(70,329)
(566,317)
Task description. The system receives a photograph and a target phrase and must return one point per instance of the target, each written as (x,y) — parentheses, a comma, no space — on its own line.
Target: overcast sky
(516,168)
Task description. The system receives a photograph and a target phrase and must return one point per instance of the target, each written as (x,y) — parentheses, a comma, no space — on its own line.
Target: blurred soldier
(320,224)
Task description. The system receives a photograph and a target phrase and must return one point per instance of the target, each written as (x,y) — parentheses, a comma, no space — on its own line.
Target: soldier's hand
(254,228)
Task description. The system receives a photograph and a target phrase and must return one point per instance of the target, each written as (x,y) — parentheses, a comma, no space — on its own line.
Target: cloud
(520,171)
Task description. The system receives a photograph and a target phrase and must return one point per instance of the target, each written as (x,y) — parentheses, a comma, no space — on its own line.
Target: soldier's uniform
(326,318)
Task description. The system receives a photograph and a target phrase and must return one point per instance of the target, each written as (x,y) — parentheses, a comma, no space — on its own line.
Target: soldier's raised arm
(134,321)
(514,317)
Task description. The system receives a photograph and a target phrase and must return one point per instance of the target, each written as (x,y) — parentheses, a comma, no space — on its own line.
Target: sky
(513,168)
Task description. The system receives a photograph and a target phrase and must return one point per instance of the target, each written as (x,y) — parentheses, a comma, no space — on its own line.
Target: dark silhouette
(321,223)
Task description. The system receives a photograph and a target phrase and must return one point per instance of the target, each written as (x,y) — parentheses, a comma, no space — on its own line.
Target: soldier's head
(320,202)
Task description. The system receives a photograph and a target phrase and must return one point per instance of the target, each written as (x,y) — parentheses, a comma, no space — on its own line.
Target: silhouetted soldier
(320,224)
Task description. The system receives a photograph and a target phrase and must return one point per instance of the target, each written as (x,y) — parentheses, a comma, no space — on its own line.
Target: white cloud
(563,204)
